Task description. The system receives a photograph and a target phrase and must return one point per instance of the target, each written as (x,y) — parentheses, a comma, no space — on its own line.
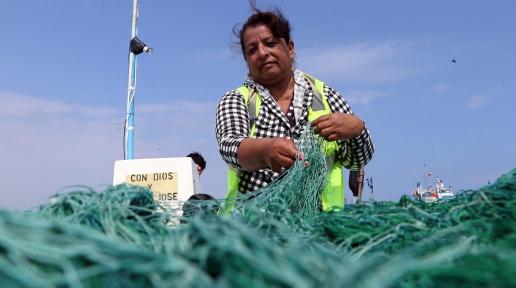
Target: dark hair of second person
(199,160)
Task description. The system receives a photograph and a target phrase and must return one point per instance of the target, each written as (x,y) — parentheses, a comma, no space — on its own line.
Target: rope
(276,237)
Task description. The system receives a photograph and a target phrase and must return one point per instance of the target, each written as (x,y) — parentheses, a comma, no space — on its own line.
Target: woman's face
(269,59)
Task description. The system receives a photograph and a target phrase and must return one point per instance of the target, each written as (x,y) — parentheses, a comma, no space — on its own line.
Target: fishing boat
(433,193)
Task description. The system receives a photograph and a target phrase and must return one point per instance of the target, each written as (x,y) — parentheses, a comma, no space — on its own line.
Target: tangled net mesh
(277,237)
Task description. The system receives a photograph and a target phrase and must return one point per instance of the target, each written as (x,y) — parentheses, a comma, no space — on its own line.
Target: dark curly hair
(198,159)
(274,20)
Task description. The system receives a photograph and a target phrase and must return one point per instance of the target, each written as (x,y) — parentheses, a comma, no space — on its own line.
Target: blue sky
(63,86)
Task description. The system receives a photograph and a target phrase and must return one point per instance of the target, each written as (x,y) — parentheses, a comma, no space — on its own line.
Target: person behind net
(195,204)
(199,161)
(258,123)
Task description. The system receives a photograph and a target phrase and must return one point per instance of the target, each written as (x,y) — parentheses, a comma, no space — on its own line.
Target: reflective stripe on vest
(333,194)
(253,105)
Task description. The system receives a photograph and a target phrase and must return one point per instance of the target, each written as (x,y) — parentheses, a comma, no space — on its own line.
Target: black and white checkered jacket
(233,126)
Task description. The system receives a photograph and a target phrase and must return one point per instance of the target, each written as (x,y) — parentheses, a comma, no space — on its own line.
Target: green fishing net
(276,237)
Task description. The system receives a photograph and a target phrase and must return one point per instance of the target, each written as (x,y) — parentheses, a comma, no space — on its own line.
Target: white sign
(171,180)
(162,184)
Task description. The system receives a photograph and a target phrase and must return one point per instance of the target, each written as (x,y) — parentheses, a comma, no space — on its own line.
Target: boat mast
(129,120)
(136,46)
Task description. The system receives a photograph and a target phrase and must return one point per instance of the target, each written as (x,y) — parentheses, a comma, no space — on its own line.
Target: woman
(258,123)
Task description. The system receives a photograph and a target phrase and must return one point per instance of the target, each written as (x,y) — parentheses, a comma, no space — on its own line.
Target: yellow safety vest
(332,197)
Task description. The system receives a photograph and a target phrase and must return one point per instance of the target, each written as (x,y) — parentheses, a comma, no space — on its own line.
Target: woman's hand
(279,154)
(338,126)
(273,153)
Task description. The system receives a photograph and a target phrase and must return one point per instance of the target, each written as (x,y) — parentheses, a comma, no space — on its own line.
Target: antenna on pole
(415,174)
(370,184)
(136,46)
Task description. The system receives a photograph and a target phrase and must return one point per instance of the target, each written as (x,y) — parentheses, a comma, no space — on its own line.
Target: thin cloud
(78,145)
(364,96)
(17,105)
(174,125)
(359,64)
(178,107)
(441,88)
(12,104)
(221,55)
(476,102)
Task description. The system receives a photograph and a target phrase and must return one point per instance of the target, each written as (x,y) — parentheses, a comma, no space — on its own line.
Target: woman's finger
(327,132)
(319,120)
(333,137)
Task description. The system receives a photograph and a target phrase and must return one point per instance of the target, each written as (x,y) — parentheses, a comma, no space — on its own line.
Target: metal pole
(129,121)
